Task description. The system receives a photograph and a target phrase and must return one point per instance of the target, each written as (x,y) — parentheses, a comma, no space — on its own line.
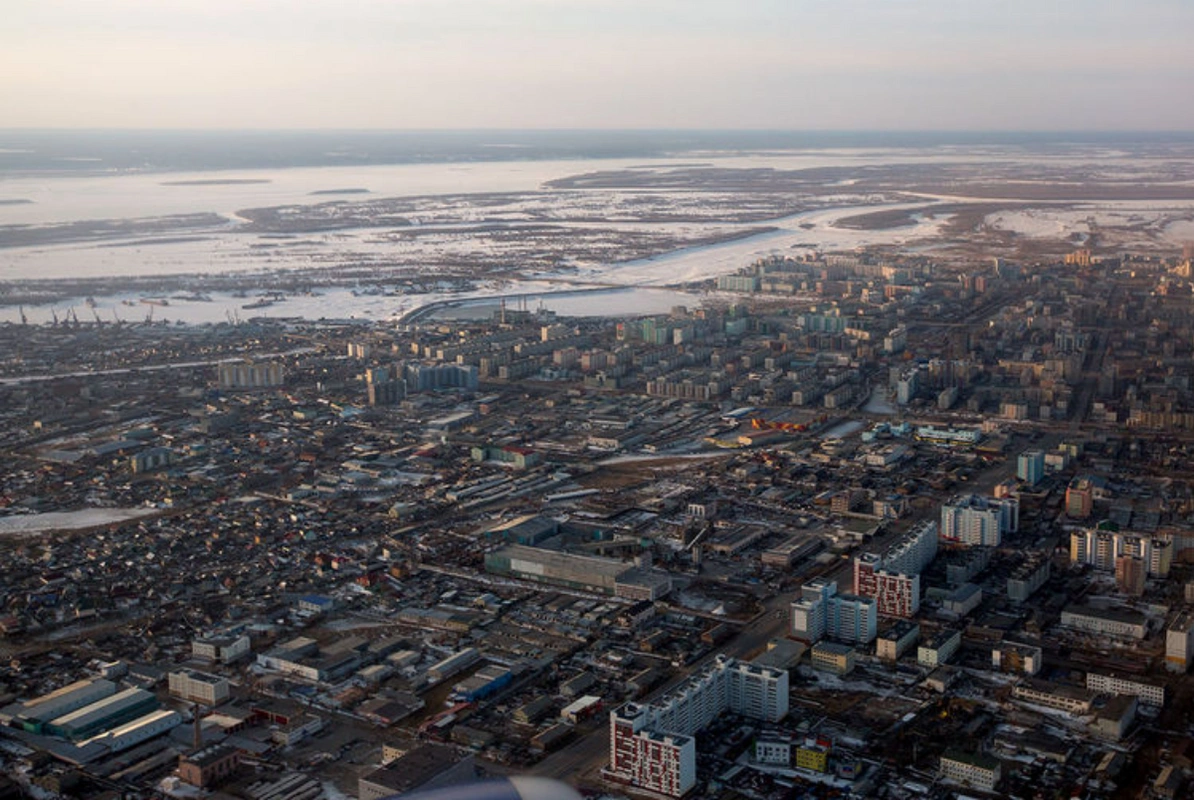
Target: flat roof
(102,708)
(415,767)
(1116,614)
(604,567)
(202,677)
(210,755)
(69,689)
(129,727)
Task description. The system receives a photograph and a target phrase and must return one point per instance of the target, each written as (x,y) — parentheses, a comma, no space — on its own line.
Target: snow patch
(69,520)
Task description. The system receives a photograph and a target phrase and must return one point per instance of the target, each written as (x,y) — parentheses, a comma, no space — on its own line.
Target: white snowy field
(1142,223)
(345,304)
(68,520)
(463,231)
(592,230)
(69,198)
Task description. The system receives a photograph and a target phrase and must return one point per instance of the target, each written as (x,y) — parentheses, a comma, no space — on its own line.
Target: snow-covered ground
(348,304)
(67,198)
(574,234)
(843,430)
(878,402)
(1170,222)
(68,520)
(592,231)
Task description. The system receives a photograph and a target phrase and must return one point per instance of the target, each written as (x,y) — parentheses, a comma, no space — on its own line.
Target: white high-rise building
(1101,548)
(821,611)
(976,520)
(250,374)
(914,551)
(852,619)
(808,619)
(1179,643)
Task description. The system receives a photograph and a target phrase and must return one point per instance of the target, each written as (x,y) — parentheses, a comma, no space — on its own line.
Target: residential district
(852,525)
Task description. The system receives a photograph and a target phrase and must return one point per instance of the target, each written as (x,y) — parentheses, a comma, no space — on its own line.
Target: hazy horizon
(102,151)
(1032,132)
(438,65)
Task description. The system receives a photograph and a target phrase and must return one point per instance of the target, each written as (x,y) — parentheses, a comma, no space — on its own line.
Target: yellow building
(1079,258)
(814,758)
(834,658)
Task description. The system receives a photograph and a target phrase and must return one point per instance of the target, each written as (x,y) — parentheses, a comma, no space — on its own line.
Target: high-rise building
(651,745)
(1030,466)
(1160,557)
(1079,498)
(658,762)
(913,551)
(250,375)
(808,617)
(893,579)
(852,619)
(822,612)
(1101,548)
(976,520)
(1130,572)
(430,377)
(1027,578)
(896,594)
(907,385)
(1179,643)
(385,385)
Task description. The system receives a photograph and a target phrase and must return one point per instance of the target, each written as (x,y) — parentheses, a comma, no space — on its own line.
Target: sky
(750,64)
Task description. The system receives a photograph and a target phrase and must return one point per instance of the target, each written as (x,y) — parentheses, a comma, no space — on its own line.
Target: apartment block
(977,520)
(940,648)
(897,640)
(651,745)
(822,612)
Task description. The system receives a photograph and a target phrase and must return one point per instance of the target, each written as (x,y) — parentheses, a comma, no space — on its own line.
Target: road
(207,362)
